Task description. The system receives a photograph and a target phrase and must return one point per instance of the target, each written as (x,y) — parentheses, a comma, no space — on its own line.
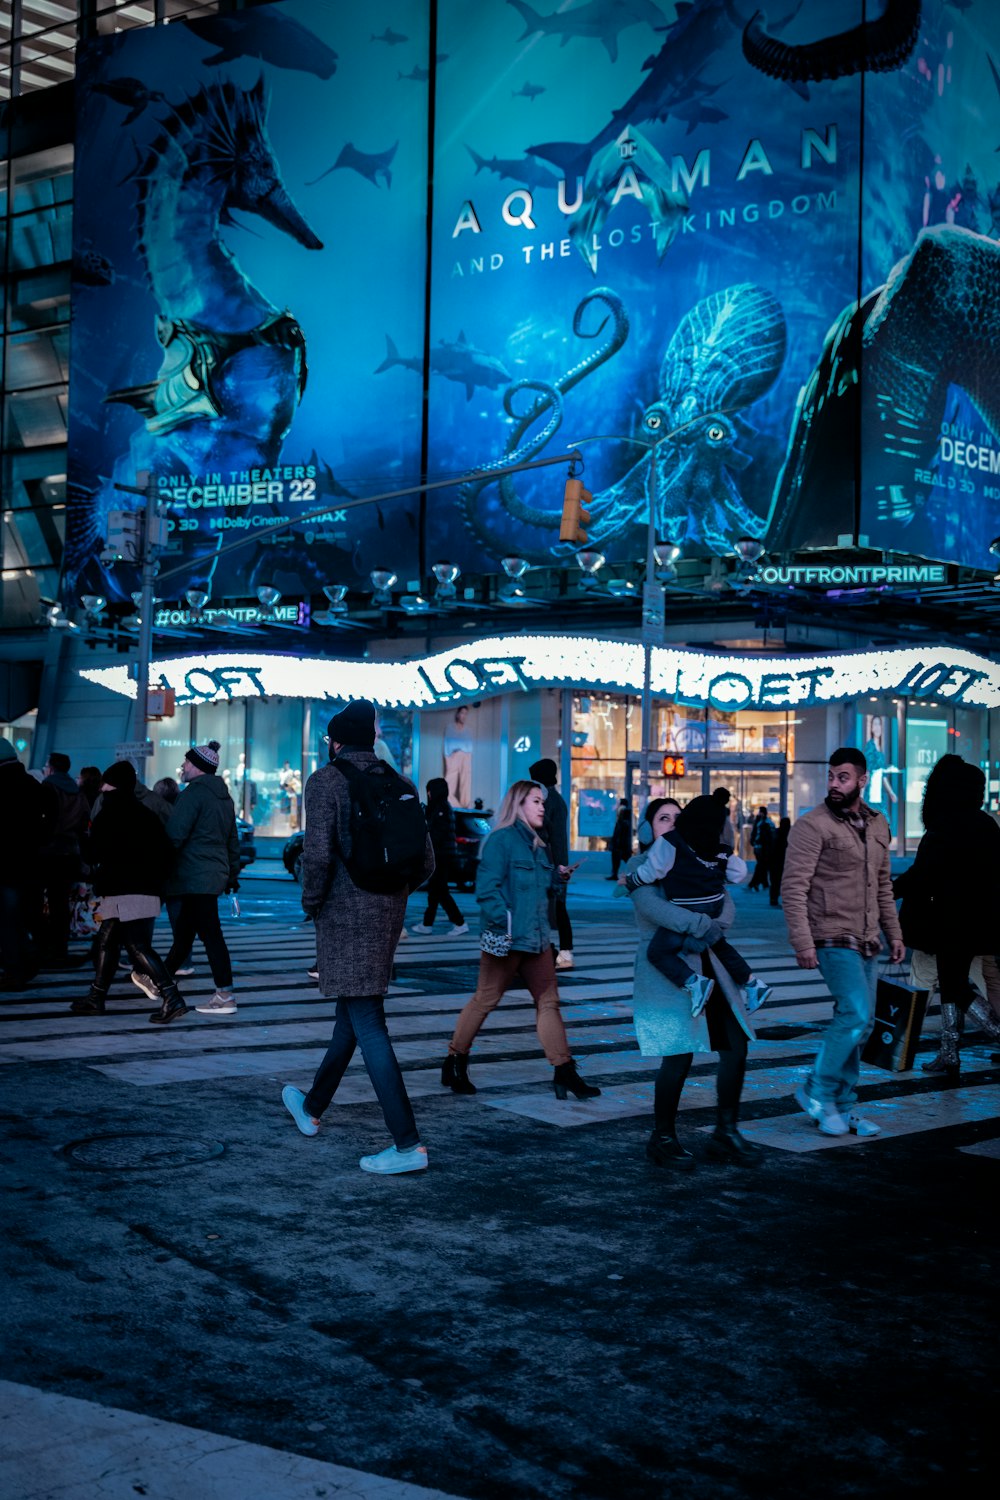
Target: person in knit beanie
(204,758)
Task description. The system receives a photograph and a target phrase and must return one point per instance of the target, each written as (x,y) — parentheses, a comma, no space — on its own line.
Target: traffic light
(673,765)
(574,517)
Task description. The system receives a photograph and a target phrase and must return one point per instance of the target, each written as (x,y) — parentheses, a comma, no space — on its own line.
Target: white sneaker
(858,1125)
(392,1161)
(183,973)
(313,973)
(294,1101)
(457,929)
(832,1122)
(222,1003)
(700,990)
(564,958)
(420,931)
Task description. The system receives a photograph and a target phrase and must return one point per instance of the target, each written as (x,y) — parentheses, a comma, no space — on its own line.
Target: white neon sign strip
(503,664)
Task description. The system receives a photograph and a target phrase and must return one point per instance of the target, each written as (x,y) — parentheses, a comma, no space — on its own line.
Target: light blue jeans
(852,981)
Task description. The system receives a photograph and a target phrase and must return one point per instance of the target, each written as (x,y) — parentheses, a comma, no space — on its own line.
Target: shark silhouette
(529,91)
(370,164)
(391,38)
(459,361)
(705,30)
(598,20)
(527,171)
(130,92)
(268,34)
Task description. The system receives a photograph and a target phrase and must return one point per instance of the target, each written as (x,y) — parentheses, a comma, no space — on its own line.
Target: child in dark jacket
(691,865)
(441,826)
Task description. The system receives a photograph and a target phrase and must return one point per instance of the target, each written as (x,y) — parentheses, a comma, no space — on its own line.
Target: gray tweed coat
(661,1012)
(356,931)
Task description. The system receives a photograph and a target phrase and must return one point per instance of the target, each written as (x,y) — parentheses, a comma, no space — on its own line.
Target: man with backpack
(366,848)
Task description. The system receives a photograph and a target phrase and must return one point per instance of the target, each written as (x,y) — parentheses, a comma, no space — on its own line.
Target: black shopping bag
(899,1016)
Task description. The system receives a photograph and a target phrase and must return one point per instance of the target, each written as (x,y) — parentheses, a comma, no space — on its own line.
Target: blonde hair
(514,799)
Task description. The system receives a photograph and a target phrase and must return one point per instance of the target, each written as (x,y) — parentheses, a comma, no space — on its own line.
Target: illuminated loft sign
(503,664)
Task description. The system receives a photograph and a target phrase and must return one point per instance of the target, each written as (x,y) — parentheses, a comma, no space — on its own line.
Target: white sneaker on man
(294,1101)
(421,930)
(222,1003)
(183,973)
(858,1125)
(564,958)
(457,929)
(392,1160)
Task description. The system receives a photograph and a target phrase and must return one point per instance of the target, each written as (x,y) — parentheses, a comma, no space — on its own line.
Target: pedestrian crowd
(369,845)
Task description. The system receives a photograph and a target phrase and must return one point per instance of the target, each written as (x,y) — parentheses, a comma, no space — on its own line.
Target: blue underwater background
(731,253)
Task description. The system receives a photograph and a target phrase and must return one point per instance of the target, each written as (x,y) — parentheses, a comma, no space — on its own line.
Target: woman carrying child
(671,1024)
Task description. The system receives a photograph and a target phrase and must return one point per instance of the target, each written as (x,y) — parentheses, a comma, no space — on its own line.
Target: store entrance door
(753,781)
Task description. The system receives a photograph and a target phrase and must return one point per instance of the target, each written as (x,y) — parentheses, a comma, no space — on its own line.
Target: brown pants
(496,975)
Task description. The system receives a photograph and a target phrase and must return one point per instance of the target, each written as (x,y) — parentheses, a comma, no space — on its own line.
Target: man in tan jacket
(837,895)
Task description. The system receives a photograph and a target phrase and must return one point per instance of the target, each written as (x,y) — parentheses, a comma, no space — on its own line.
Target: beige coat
(835,883)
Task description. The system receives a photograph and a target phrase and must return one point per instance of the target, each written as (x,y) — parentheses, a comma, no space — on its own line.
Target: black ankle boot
(566,1077)
(172,1007)
(455,1074)
(665,1150)
(89,1005)
(726,1144)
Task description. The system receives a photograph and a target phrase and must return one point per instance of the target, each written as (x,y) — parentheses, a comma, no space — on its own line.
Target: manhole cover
(132,1153)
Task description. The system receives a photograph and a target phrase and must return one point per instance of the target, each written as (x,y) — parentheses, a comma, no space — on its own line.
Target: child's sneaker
(756,994)
(700,990)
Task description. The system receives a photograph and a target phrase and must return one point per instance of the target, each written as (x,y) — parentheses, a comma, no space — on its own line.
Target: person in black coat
(555,832)
(951,893)
(621,839)
(761,842)
(130,855)
(23,820)
(777,866)
(441,827)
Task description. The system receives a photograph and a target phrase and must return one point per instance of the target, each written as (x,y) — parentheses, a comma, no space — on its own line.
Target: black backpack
(388,832)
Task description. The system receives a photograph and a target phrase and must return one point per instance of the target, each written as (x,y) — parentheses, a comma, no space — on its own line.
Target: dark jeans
(137,940)
(60,872)
(438,894)
(728,1039)
(15,949)
(173,905)
(361,1023)
(775,873)
(761,871)
(199,917)
(664,954)
(563,925)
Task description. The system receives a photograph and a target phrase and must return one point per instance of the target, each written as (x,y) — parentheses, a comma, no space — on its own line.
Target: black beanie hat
(354,726)
(545,771)
(121,776)
(699,824)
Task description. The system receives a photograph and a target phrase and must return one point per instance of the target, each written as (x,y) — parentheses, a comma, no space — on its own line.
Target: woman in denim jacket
(515,880)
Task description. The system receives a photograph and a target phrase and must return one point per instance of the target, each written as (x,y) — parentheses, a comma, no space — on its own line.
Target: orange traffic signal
(673,765)
(574,517)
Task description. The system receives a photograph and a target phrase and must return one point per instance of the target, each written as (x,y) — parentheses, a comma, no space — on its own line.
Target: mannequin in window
(458,759)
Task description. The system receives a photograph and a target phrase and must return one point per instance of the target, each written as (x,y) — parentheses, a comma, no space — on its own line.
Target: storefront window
(273,780)
(927,739)
(603,728)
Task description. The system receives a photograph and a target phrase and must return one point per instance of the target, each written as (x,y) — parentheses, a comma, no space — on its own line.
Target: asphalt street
(200,1302)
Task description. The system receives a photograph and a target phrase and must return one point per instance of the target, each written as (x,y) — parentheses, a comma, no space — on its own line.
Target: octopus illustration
(724,355)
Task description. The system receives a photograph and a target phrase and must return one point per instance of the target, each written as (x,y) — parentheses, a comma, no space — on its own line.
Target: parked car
(291,855)
(472,825)
(248,849)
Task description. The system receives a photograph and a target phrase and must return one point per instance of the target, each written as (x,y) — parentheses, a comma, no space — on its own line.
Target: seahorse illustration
(234,365)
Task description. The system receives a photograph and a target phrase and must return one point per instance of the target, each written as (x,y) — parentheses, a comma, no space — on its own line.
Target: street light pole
(148,540)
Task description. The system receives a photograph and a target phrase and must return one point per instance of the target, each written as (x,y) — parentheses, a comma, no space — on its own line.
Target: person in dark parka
(22,818)
(357,932)
(555,832)
(130,856)
(951,892)
(441,826)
